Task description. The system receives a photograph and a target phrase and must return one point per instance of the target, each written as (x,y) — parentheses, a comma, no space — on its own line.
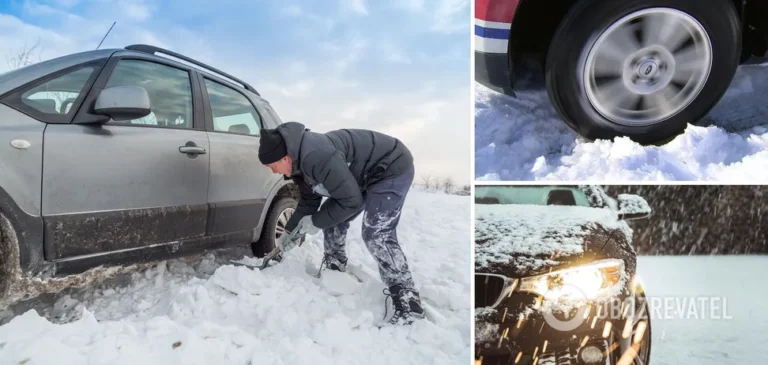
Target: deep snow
(523,138)
(204,313)
(738,279)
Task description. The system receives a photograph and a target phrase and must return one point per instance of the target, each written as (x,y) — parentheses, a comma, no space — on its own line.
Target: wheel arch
(282,188)
(27,231)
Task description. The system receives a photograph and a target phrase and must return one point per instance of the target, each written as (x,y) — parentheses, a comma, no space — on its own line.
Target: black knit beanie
(271,146)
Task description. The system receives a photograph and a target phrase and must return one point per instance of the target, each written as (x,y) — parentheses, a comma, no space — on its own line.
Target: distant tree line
(700,220)
(428,182)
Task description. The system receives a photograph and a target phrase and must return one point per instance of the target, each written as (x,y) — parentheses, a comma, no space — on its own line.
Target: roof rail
(152,50)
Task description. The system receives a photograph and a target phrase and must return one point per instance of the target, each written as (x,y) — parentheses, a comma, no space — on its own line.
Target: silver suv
(123,155)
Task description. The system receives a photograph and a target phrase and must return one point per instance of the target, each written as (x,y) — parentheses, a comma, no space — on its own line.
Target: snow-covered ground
(206,313)
(523,138)
(740,280)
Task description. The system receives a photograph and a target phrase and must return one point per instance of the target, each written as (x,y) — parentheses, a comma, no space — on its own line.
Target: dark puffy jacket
(340,165)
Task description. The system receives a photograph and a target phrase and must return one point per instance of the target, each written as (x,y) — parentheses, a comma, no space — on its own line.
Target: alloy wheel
(647,66)
(282,221)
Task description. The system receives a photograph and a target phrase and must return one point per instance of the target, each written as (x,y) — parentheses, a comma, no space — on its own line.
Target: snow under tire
(266,241)
(582,26)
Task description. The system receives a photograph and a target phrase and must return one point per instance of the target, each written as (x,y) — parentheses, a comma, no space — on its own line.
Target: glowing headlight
(587,281)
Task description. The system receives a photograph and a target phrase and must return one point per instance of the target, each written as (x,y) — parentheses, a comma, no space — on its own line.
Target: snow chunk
(339,283)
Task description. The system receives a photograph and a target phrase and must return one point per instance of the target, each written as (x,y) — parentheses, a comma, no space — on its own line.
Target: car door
(239,183)
(128,185)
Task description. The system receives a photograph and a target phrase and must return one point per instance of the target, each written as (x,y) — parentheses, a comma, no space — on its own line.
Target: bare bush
(26,56)
(448,185)
(428,181)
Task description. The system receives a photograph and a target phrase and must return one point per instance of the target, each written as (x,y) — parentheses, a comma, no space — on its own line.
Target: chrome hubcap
(647,66)
(282,221)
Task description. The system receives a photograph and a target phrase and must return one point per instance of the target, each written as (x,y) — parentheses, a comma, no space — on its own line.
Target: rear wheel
(274,226)
(642,68)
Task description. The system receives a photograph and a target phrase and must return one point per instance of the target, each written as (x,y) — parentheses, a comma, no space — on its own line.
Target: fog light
(590,355)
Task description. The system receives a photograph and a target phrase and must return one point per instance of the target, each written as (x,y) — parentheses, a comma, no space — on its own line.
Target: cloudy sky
(400,67)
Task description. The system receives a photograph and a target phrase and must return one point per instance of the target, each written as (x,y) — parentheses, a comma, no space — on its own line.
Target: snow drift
(174,313)
(523,138)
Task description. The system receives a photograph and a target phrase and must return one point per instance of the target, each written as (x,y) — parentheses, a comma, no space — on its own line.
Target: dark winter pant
(383,202)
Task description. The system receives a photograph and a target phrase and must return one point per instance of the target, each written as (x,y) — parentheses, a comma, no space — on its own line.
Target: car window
(169,90)
(531,195)
(232,111)
(57,96)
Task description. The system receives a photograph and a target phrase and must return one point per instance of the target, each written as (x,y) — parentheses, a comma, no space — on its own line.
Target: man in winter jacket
(358,171)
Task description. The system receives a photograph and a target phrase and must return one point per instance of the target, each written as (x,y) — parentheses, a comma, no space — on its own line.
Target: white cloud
(451,16)
(394,53)
(136,11)
(413,6)
(354,6)
(293,89)
(64,3)
(291,10)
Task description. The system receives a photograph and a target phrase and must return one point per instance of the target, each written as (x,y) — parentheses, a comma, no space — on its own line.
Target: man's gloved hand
(305,226)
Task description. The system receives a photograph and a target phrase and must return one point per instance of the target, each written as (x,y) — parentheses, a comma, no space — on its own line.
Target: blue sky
(401,67)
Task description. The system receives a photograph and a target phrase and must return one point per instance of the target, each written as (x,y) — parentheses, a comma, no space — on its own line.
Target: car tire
(277,216)
(9,257)
(583,40)
(640,353)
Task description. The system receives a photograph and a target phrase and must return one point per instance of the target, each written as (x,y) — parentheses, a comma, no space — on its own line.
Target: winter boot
(407,305)
(333,263)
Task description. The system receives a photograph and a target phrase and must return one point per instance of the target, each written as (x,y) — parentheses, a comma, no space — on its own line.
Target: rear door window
(232,111)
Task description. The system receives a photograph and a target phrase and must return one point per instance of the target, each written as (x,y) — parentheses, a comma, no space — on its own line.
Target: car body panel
(239,183)
(115,187)
(21,168)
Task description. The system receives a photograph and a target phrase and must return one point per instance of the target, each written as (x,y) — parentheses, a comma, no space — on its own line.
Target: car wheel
(9,256)
(274,226)
(638,348)
(641,68)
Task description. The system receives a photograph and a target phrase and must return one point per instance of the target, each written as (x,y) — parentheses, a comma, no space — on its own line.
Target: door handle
(191,149)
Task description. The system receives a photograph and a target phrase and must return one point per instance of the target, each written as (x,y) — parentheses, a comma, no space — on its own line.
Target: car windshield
(531,195)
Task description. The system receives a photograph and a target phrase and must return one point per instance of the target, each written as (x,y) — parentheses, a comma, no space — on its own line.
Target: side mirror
(633,207)
(123,103)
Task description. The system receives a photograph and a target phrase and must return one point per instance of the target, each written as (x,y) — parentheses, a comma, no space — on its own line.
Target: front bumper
(492,71)
(524,334)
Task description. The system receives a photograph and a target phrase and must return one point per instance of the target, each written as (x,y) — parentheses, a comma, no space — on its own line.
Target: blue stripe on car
(491,32)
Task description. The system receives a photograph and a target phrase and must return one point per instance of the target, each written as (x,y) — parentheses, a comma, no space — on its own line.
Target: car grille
(488,289)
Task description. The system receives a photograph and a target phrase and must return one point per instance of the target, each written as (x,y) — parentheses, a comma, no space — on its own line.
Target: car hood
(524,240)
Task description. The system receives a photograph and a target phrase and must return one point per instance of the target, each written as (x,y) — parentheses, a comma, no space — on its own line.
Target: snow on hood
(530,237)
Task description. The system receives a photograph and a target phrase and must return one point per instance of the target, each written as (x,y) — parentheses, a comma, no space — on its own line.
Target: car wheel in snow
(274,226)
(9,256)
(641,68)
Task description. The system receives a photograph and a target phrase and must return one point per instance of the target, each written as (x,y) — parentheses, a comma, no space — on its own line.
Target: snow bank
(523,138)
(539,233)
(283,315)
